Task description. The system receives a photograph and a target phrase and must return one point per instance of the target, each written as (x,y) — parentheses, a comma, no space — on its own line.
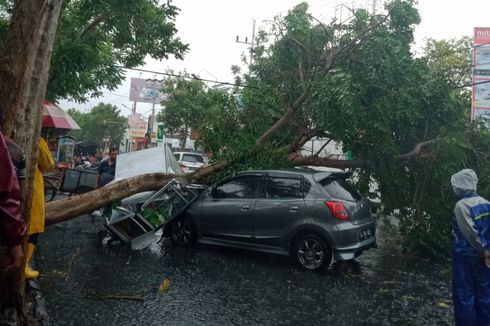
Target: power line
(473,84)
(193,77)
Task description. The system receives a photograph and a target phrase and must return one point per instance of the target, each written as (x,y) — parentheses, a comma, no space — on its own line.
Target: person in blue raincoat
(471,252)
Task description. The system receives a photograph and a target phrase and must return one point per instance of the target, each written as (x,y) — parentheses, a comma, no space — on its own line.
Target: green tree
(452,59)
(186,105)
(359,84)
(96,38)
(103,125)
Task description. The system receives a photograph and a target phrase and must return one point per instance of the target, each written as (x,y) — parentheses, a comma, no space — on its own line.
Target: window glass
(239,187)
(193,158)
(283,188)
(341,189)
(306,186)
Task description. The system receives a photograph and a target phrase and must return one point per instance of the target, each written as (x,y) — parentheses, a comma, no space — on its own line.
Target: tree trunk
(65,209)
(61,210)
(24,68)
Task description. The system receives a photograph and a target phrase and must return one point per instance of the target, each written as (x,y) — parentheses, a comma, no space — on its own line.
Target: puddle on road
(86,283)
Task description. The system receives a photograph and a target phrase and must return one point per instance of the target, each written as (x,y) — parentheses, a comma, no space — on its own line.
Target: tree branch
(97,20)
(304,137)
(323,146)
(322,161)
(285,119)
(416,152)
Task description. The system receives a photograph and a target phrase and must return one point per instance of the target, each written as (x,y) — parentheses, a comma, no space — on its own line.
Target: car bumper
(353,251)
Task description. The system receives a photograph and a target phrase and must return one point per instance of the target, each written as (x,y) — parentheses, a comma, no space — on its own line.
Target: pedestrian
(471,252)
(12,224)
(45,162)
(17,157)
(107,172)
(13,230)
(107,169)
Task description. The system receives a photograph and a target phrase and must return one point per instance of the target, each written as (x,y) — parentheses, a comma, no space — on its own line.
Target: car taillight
(338,210)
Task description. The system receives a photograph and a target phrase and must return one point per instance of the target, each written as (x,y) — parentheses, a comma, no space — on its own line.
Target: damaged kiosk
(140,216)
(138,228)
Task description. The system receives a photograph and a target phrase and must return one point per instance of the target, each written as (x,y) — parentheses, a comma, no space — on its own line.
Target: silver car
(310,215)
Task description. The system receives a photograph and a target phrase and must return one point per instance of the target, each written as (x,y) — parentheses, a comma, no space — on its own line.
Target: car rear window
(340,189)
(192,158)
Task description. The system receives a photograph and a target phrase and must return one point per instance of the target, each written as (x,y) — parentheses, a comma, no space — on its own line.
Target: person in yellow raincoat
(45,162)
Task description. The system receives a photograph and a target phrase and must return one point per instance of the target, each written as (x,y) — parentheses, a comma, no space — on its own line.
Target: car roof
(189,153)
(301,171)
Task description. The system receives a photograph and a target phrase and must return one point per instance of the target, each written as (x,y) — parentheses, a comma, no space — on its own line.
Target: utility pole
(252,44)
(375,4)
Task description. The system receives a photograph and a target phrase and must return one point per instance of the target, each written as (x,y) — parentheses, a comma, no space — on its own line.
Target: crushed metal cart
(138,227)
(78,180)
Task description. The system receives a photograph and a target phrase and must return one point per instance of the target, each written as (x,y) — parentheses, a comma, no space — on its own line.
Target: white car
(189,162)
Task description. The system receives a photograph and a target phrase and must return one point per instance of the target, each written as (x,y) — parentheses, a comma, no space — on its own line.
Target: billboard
(481,73)
(146,90)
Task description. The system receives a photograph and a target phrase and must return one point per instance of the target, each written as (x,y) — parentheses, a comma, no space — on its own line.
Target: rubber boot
(29,273)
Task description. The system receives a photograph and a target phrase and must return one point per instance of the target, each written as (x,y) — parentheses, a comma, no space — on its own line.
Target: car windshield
(192,158)
(340,189)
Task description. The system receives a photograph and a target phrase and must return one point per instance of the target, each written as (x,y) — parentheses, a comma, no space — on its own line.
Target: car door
(227,212)
(280,207)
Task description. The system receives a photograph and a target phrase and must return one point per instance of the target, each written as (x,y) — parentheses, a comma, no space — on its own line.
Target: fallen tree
(354,83)
(64,209)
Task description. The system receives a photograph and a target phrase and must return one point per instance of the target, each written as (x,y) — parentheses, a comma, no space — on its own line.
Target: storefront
(56,125)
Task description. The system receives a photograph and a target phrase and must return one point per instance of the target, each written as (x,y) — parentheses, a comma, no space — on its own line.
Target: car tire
(183,232)
(311,252)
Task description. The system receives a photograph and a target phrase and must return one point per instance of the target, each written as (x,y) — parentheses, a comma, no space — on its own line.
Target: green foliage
(367,89)
(96,37)
(451,59)
(102,122)
(188,101)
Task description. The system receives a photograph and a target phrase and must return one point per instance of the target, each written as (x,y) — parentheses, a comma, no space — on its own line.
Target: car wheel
(182,232)
(312,252)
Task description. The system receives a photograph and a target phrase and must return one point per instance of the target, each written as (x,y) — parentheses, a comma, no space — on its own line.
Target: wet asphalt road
(87,283)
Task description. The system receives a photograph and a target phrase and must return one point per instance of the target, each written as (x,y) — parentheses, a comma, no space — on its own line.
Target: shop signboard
(481,73)
(137,126)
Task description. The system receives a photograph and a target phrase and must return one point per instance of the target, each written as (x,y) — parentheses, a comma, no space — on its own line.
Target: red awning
(55,117)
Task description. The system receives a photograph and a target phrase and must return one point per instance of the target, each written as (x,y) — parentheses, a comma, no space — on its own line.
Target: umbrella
(55,117)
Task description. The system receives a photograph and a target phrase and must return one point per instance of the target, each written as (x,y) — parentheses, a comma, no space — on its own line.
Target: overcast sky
(211,27)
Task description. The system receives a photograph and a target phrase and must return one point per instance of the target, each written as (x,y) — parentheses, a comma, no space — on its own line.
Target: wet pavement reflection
(86,282)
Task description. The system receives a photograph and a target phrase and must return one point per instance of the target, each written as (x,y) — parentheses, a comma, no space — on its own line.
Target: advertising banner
(137,126)
(146,90)
(481,73)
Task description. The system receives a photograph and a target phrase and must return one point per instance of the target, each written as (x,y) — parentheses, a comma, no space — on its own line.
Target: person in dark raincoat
(12,225)
(471,252)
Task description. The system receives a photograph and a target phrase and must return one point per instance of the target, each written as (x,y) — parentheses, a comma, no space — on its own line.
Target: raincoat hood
(464,183)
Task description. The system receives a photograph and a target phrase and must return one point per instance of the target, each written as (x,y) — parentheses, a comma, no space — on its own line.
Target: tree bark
(65,209)
(333,163)
(61,210)
(24,67)
(284,120)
